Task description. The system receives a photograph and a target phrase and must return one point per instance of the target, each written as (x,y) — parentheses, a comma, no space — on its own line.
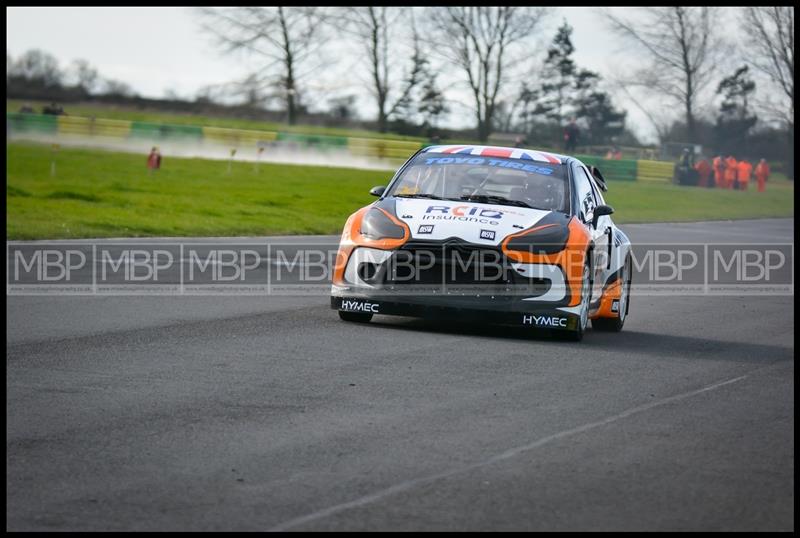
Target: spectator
(718,164)
(743,171)
(154,160)
(54,110)
(684,168)
(730,172)
(703,172)
(762,173)
(571,134)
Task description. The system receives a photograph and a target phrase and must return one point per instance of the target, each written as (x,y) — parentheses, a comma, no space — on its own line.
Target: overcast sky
(160,49)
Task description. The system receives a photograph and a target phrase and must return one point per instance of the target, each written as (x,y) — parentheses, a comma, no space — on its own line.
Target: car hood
(486,224)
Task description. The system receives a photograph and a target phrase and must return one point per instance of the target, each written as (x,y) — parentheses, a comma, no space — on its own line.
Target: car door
(587,201)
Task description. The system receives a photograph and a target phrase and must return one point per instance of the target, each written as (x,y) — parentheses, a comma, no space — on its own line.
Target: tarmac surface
(269,413)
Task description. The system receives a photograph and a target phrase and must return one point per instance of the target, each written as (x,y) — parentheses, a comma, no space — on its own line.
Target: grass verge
(99,193)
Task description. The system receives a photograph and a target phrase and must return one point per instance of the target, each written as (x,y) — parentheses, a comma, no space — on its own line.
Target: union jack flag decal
(495,151)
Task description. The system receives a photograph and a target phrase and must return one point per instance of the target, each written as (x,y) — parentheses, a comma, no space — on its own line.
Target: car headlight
(540,239)
(376,224)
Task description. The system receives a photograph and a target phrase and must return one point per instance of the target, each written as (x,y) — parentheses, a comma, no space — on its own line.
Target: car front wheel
(576,335)
(615,324)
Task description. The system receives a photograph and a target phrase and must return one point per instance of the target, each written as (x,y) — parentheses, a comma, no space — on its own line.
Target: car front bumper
(512,312)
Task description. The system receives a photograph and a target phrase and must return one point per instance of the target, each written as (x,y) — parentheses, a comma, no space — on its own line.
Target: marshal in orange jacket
(730,172)
(743,171)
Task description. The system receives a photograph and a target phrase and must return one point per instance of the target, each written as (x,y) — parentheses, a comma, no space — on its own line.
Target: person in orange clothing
(730,172)
(743,171)
(154,160)
(762,173)
(719,171)
(703,172)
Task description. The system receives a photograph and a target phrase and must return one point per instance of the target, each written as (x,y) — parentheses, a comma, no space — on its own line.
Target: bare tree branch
(375,28)
(285,38)
(479,40)
(771,46)
(770,32)
(683,48)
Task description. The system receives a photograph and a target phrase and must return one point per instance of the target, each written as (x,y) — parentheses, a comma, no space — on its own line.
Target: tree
(421,101)
(734,120)
(527,96)
(38,67)
(374,28)
(208,94)
(84,75)
(567,91)
(603,120)
(285,38)
(558,75)
(735,89)
(682,46)
(343,108)
(117,88)
(432,103)
(482,41)
(770,32)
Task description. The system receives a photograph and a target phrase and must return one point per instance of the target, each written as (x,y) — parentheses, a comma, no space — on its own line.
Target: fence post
(53,151)
(230,161)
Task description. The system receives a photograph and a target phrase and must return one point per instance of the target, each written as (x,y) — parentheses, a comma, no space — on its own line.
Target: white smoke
(209,149)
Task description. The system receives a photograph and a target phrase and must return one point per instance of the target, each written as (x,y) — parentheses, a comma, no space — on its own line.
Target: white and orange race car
(493,234)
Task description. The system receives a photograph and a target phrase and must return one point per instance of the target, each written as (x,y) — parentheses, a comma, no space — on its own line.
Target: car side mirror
(377,191)
(599,211)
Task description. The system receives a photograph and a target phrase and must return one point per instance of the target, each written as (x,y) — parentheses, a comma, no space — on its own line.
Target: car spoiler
(599,179)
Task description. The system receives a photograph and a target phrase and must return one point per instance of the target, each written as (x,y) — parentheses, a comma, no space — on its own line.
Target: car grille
(456,267)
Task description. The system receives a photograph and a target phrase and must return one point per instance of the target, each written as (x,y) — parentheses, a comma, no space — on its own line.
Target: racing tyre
(586,290)
(615,324)
(358,317)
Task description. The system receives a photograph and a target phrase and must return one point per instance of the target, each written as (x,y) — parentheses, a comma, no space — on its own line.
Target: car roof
(500,151)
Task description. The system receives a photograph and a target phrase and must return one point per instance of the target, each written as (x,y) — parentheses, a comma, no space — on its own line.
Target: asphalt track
(269,413)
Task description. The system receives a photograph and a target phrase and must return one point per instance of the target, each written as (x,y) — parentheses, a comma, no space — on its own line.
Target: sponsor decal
(462,219)
(352,305)
(502,163)
(425,229)
(465,210)
(588,203)
(544,321)
(463,213)
(487,234)
(615,305)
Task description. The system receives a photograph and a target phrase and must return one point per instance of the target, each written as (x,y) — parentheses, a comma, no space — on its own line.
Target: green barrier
(31,123)
(73,125)
(140,129)
(655,171)
(238,137)
(613,169)
(312,140)
(382,148)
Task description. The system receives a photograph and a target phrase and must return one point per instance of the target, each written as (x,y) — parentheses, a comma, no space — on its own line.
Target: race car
(490,234)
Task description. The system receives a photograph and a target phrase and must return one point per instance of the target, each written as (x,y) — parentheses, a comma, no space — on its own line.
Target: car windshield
(491,180)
